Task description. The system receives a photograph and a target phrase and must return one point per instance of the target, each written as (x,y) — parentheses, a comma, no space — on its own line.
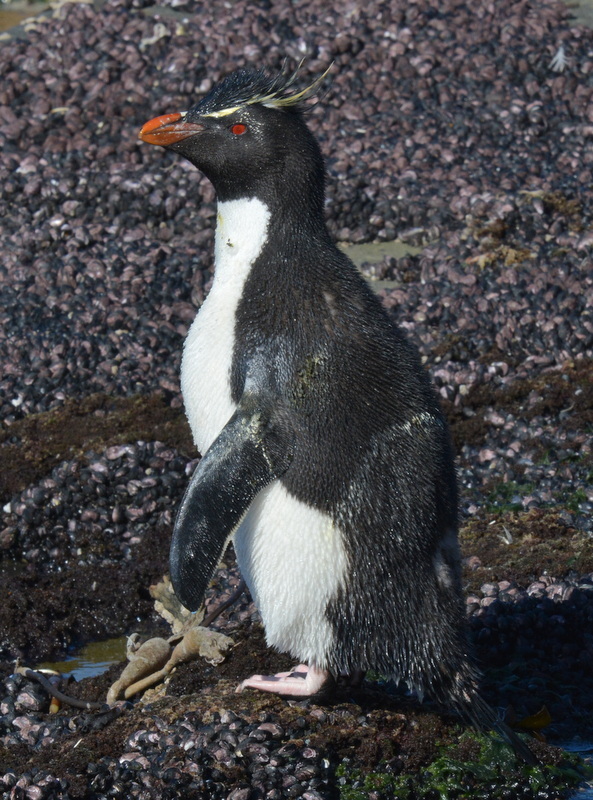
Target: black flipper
(253,449)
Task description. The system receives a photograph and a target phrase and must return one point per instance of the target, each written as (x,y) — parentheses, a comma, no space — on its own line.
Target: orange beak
(168,129)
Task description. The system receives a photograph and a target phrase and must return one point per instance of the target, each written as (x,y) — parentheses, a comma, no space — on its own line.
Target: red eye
(238,129)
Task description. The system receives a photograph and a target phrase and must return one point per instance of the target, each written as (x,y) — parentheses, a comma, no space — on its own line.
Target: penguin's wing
(254,448)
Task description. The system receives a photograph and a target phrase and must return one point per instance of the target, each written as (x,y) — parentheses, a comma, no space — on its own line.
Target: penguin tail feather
(484,718)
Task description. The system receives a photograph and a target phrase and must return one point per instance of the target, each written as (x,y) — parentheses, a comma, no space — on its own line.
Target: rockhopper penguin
(325,454)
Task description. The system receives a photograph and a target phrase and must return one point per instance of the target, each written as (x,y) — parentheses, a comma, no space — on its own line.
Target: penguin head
(248,136)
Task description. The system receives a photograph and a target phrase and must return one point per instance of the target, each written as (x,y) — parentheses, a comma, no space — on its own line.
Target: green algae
(502,496)
(476,767)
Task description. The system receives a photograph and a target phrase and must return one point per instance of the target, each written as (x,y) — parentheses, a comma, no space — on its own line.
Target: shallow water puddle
(585,750)
(586,793)
(93,659)
(582,10)
(375,252)
(15,13)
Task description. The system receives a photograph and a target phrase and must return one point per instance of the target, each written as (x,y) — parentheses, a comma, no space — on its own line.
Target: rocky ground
(447,124)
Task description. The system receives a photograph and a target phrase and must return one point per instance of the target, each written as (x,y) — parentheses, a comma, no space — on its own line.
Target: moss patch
(472,767)
(569,389)
(520,545)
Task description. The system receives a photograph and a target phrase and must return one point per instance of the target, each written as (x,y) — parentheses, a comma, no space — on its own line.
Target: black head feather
(254,87)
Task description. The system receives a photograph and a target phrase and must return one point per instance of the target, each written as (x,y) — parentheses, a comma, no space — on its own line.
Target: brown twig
(87,705)
(209,618)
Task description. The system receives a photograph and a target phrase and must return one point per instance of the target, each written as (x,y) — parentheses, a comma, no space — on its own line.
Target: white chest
(241,232)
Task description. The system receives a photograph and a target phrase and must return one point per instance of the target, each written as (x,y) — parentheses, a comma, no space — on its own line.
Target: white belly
(241,232)
(293,560)
(206,369)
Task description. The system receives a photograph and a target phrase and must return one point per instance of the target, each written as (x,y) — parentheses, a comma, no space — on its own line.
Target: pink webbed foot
(301,681)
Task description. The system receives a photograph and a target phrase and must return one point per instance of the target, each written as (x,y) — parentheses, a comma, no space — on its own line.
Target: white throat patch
(241,232)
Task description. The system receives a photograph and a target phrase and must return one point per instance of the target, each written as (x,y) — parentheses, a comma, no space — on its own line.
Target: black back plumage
(372,451)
